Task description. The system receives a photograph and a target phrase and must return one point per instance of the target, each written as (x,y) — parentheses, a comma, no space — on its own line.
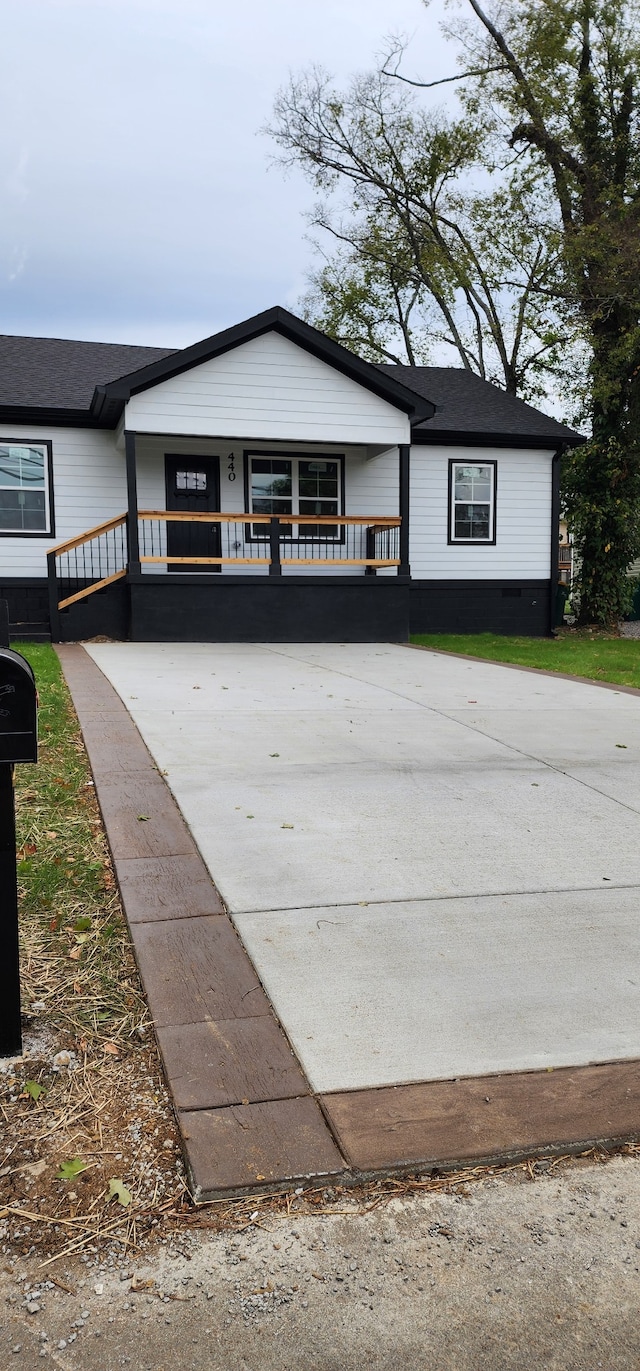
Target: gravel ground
(514,1273)
(630,629)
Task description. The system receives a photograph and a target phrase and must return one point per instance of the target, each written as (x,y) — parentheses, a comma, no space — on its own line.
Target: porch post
(132,501)
(52,587)
(275,568)
(405,451)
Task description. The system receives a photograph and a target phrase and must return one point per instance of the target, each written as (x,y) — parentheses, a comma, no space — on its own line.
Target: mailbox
(18,743)
(18,709)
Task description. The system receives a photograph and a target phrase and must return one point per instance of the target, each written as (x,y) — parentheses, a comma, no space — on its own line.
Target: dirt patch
(91,1148)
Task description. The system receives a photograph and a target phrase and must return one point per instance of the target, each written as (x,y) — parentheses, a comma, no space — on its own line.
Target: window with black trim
(472,514)
(24,487)
(295,485)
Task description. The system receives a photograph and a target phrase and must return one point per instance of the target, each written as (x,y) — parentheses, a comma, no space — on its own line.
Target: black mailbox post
(18,743)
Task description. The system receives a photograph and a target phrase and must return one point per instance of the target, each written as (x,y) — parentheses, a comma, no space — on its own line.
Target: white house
(266,484)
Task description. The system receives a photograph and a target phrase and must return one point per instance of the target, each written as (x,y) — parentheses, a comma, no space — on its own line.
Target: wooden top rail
(88,590)
(89,535)
(191,517)
(336,562)
(371,520)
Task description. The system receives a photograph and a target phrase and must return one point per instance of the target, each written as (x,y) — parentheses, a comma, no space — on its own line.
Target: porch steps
(29,633)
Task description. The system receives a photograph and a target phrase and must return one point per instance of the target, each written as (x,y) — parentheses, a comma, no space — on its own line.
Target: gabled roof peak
(109,400)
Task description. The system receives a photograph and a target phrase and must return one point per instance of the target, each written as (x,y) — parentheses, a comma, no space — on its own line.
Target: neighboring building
(266,484)
(565,555)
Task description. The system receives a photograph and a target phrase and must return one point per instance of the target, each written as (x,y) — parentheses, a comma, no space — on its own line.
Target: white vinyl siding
(268,388)
(371,486)
(523,516)
(89,486)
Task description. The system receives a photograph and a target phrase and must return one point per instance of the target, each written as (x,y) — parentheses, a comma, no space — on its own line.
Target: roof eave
(467,438)
(110,399)
(49,415)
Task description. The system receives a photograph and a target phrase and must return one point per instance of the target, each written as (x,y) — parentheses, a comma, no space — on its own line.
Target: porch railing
(95,559)
(90,562)
(274,541)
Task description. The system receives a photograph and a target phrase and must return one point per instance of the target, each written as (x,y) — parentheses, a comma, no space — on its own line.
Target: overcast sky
(139,200)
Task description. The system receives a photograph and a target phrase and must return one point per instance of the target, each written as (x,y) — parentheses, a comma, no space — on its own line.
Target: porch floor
(434,867)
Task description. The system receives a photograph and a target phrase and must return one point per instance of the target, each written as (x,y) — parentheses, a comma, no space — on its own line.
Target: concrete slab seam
(241,1127)
(485,733)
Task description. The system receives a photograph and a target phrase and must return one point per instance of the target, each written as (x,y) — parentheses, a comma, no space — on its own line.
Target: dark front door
(193,486)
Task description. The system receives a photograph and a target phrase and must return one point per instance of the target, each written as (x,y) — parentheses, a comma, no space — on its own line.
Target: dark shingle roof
(468,406)
(58,376)
(56,373)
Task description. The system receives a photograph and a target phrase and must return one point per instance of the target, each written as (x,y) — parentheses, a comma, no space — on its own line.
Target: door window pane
(191,480)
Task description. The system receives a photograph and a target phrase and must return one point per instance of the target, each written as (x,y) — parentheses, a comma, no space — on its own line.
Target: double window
(472,502)
(24,487)
(295,485)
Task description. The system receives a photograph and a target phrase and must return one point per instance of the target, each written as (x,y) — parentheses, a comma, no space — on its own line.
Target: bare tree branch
(556,163)
(444,80)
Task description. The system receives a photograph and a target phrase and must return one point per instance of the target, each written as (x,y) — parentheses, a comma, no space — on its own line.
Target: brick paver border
(246,1112)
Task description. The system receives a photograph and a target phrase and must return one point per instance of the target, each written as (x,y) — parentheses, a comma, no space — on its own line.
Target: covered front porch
(241,540)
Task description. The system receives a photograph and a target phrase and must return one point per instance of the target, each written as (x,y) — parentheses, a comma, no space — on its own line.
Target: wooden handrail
(371,520)
(88,590)
(191,517)
(212,561)
(375,523)
(89,535)
(264,561)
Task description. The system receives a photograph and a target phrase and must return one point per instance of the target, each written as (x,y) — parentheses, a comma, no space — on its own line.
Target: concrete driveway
(433,863)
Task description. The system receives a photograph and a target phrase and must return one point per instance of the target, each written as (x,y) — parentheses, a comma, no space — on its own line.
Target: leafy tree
(517,226)
(561,82)
(424,256)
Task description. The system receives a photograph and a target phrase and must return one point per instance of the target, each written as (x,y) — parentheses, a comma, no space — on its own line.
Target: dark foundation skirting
(330,609)
(28,606)
(507,607)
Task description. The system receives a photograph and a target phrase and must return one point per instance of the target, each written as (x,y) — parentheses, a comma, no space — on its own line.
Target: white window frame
(261,532)
(45,445)
(455,465)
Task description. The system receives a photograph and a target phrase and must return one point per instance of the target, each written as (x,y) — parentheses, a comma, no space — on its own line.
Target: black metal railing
(205,540)
(345,542)
(271,541)
(88,563)
(95,559)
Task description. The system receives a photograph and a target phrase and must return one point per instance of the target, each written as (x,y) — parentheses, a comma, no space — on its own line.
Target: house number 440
(231,467)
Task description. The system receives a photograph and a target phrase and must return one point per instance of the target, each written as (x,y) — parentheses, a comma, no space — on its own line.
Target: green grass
(597,656)
(75,949)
